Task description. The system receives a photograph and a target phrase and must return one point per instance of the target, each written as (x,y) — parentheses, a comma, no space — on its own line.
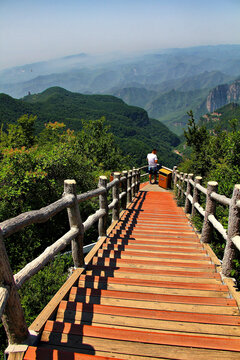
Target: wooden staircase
(151,292)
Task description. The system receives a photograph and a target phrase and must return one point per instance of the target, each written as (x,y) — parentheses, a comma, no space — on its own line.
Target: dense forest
(33,169)
(215,155)
(133,131)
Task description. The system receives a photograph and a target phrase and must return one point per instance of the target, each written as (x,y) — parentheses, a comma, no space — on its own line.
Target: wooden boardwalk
(151,291)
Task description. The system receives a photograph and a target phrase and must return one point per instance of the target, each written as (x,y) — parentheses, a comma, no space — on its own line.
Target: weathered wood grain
(35,216)
(13,317)
(37,264)
(4,294)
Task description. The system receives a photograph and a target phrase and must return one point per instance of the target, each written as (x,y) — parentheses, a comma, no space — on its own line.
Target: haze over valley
(166,83)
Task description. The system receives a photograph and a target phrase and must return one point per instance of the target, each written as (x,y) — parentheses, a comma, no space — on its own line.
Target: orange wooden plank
(155,283)
(155,243)
(195,341)
(117,253)
(152,314)
(36,353)
(118,262)
(185,273)
(155,249)
(153,297)
(151,237)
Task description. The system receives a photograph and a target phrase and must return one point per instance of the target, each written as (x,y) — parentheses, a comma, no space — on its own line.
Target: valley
(166,83)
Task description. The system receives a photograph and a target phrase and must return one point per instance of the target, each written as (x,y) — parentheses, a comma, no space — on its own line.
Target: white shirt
(151,159)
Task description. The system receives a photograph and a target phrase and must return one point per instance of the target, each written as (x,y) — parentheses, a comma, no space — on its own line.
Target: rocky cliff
(222,95)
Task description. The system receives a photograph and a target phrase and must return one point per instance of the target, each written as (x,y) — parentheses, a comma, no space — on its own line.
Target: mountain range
(166,83)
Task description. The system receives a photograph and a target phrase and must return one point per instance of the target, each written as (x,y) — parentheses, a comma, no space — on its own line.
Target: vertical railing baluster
(183,186)
(115,195)
(233,230)
(13,317)
(133,183)
(188,205)
(176,181)
(103,204)
(75,221)
(196,194)
(129,187)
(209,210)
(124,189)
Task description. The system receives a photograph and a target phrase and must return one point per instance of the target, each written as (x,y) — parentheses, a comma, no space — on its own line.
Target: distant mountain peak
(222,95)
(80,55)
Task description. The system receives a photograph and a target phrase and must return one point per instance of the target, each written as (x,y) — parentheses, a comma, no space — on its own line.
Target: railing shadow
(90,292)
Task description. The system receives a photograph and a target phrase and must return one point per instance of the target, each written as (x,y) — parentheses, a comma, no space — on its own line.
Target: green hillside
(221,119)
(171,107)
(135,133)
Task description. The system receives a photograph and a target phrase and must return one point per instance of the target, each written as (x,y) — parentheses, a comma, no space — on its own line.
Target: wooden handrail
(232,235)
(37,264)
(17,330)
(19,222)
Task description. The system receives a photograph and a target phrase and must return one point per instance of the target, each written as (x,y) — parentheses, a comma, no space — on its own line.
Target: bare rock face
(222,95)
(233,94)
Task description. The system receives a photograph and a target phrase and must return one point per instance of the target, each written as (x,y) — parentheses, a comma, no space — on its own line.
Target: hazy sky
(35,30)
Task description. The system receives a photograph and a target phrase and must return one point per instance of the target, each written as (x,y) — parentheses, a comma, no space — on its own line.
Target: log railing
(185,186)
(10,306)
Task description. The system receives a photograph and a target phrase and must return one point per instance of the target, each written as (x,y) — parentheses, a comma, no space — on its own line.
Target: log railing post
(209,210)
(115,195)
(180,184)
(139,179)
(176,179)
(124,189)
(133,182)
(129,187)
(233,230)
(136,182)
(187,206)
(13,317)
(183,185)
(174,174)
(196,194)
(103,205)
(75,221)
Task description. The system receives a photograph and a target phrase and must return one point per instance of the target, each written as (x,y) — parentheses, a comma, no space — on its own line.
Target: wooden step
(199,318)
(156,287)
(185,284)
(143,241)
(152,320)
(125,254)
(153,249)
(168,303)
(153,227)
(35,353)
(80,293)
(154,265)
(160,237)
(74,335)
(153,274)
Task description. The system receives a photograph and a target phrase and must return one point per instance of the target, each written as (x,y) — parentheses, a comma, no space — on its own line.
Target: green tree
(197,137)
(98,145)
(20,134)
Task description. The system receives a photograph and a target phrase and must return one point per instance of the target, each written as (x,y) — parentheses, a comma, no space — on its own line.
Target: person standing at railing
(152,165)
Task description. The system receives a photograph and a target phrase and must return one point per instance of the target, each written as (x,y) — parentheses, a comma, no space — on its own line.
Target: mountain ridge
(182,70)
(135,133)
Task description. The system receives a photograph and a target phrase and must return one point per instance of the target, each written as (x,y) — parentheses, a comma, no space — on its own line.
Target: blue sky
(35,30)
